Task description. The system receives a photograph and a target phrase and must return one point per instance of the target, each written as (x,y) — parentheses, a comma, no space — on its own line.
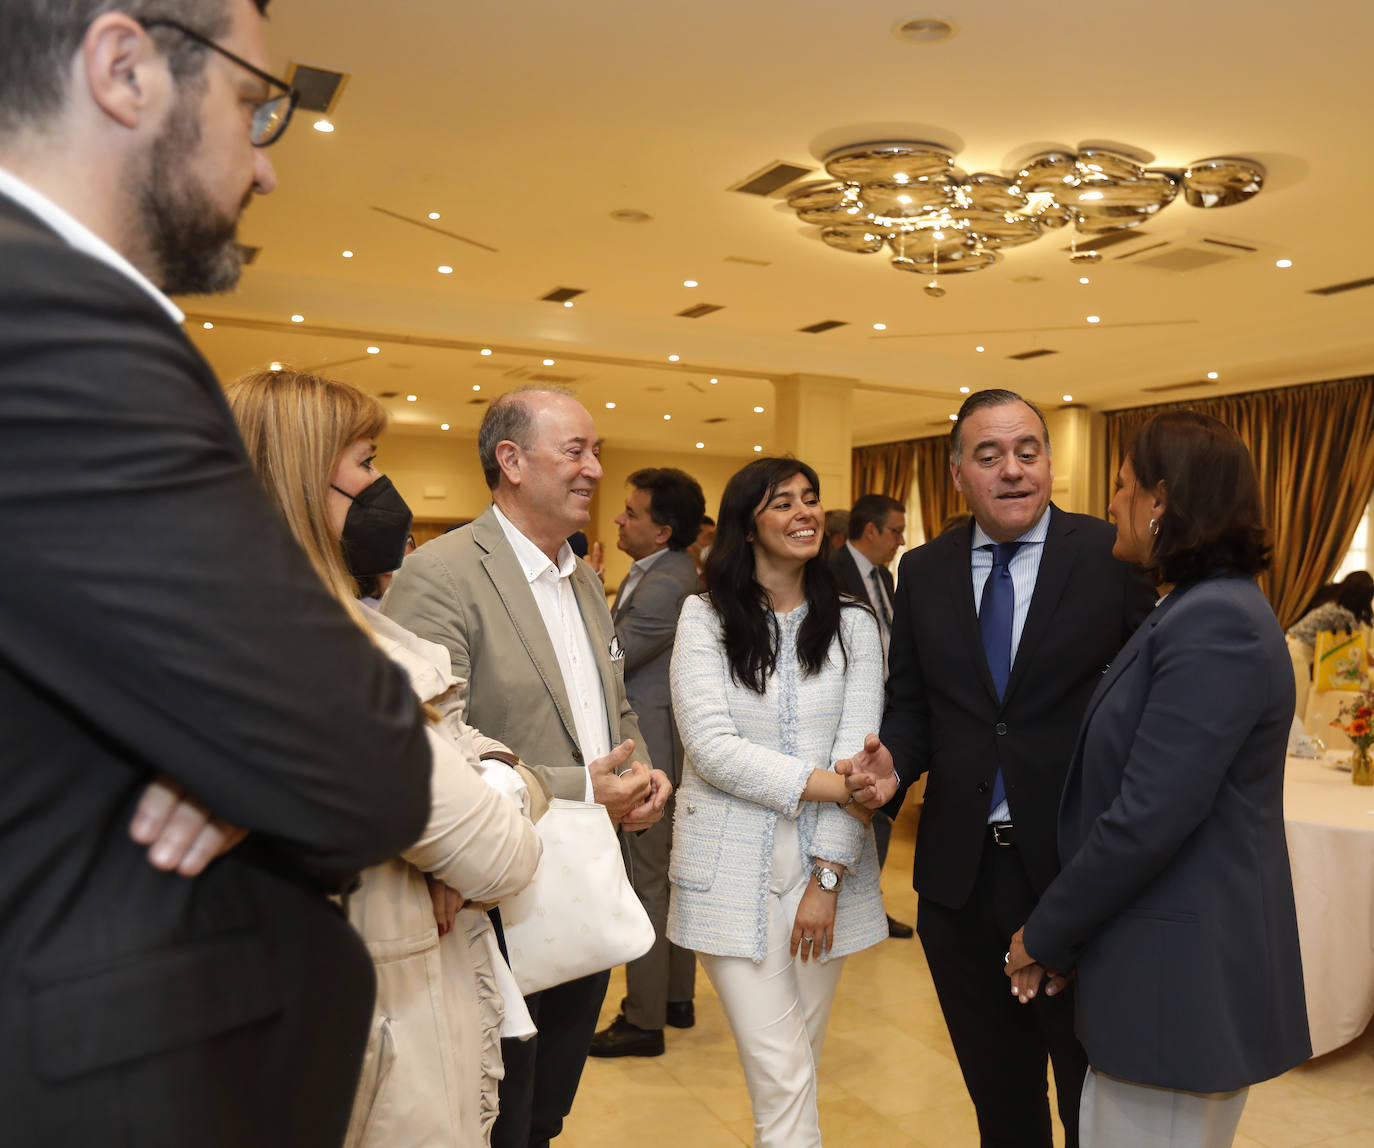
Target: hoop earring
(1154,526)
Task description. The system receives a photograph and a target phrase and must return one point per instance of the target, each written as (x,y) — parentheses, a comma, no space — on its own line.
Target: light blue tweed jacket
(748,758)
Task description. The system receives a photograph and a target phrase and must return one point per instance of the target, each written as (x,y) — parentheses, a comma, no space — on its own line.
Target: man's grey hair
(978,401)
(38,39)
(509,418)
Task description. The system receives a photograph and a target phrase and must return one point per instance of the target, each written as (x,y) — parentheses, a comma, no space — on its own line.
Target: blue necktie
(995,614)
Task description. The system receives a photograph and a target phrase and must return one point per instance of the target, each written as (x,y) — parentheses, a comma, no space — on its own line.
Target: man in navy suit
(1001,630)
(160,621)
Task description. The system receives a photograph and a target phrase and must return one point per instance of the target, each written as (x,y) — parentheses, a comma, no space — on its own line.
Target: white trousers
(1118,1114)
(778,1011)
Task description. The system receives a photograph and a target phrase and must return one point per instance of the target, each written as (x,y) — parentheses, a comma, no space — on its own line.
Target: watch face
(827,878)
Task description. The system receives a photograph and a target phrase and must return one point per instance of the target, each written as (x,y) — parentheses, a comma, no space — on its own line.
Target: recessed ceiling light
(208,326)
(1067,398)
(701,446)
(666,418)
(485,351)
(1213,375)
(1284,263)
(374,350)
(980,349)
(443,426)
(1083,279)
(954,418)
(324,126)
(758,410)
(1094,319)
(274,366)
(714,381)
(445,269)
(434,215)
(758,447)
(689,282)
(567,302)
(348,255)
(549,363)
(674,358)
(476,386)
(963,390)
(412,398)
(298,318)
(610,406)
(880,326)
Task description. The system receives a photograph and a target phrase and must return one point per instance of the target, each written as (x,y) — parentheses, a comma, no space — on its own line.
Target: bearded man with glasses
(165,647)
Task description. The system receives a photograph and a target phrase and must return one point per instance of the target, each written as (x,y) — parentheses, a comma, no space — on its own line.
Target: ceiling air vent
(319,88)
(700,310)
(1037,354)
(1184,259)
(747,261)
(1106,239)
(1167,387)
(1187,255)
(248,254)
(562,294)
(387,394)
(1339,288)
(770,179)
(822,326)
(717,419)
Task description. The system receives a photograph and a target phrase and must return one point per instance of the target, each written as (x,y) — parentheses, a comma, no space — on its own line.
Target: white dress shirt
(1024,569)
(638,569)
(866,569)
(572,644)
(82,237)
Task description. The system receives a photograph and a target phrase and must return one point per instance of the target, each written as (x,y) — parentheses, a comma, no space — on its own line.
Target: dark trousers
(542,1073)
(882,836)
(1002,1045)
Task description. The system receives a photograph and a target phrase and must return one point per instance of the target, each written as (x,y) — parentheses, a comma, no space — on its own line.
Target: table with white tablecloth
(1330,826)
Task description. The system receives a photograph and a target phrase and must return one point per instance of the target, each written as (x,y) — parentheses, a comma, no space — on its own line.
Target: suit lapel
(508,578)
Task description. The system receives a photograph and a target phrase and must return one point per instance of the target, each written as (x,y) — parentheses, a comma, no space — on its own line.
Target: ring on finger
(809,940)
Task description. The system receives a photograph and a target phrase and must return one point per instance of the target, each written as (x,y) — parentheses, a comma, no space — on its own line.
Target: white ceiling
(526,124)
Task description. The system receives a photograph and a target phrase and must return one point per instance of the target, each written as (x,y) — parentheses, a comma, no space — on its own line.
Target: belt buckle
(1003,832)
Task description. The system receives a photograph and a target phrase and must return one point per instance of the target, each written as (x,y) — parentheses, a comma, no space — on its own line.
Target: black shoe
(897,929)
(621,1038)
(681,1014)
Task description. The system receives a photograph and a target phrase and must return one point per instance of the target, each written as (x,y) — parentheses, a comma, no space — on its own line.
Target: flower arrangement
(1356,720)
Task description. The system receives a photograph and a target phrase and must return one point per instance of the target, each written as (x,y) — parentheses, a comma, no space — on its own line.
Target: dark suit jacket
(1176,902)
(847,572)
(646,626)
(943,716)
(158,619)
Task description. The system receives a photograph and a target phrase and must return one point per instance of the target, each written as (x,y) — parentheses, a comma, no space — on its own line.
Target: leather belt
(1003,832)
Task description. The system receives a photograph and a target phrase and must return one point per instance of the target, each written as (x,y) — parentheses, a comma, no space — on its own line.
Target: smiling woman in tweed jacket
(774,873)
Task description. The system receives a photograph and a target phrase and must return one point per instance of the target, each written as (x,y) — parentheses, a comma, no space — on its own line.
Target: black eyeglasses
(270,116)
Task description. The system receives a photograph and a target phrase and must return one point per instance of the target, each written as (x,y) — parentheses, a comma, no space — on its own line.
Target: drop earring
(1154,526)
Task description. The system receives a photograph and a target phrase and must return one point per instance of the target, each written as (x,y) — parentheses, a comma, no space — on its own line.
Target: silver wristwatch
(827,878)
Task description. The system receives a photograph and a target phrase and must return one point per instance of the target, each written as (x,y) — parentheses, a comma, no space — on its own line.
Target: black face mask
(376,529)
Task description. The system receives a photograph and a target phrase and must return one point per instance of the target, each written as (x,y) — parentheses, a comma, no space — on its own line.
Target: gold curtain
(1314,449)
(882,469)
(934,486)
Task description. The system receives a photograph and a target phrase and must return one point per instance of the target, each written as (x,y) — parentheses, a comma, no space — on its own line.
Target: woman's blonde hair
(295,425)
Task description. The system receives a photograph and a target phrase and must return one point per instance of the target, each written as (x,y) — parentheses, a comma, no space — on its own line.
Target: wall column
(814,421)
(1078,437)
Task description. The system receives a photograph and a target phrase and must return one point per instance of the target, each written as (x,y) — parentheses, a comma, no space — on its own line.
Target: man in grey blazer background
(527,628)
(662,515)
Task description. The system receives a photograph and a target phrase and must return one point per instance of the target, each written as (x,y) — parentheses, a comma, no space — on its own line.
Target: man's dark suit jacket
(158,619)
(851,582)
(943,716)
(1176,902)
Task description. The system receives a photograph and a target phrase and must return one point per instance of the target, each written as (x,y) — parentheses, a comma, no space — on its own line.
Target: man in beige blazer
(527,627)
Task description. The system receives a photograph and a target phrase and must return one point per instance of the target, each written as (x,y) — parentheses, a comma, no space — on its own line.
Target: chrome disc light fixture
(935,219)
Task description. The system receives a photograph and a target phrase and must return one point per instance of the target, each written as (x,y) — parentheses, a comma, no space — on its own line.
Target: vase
(1360,771)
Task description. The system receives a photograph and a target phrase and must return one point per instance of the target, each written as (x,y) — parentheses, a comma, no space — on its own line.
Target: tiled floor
(888,1074)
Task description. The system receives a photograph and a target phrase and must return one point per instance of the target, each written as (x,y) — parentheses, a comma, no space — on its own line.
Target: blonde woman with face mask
(433,1057)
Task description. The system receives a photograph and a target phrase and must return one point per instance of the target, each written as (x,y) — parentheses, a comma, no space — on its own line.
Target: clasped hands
(1027,973)
(869,776)
(633,795)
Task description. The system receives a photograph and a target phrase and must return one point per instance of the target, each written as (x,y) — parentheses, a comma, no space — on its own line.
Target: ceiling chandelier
(937,219)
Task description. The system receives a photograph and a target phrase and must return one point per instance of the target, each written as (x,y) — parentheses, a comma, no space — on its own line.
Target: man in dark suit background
(876,528)
(159,621)
(1001,631)
(662,514)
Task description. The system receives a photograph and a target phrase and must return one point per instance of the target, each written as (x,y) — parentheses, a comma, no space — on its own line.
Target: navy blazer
(943,715)
(1175,902)
(846,572)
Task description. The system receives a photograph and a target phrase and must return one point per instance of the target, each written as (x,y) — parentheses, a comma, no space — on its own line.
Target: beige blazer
(466,591)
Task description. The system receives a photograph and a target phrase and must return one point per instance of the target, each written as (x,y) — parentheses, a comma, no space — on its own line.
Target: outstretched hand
(869,774)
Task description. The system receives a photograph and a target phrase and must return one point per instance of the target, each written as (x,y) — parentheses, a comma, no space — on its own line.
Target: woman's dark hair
(746,615)
(1213,517)
(1356,593)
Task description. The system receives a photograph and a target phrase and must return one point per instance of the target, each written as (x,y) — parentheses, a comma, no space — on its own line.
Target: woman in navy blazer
(1175,902)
